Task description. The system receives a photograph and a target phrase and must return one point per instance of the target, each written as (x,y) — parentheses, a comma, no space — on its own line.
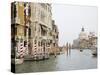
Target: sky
(71,18)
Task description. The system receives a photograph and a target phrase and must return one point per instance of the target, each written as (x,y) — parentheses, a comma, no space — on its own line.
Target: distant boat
(94,52)
(55,54)
(81,50)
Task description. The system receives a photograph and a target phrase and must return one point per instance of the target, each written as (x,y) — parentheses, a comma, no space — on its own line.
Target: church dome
(83,34)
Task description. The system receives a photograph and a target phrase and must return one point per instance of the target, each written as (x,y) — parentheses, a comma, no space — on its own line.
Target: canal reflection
(75,61)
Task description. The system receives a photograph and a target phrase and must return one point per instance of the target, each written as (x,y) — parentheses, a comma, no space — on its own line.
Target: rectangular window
(25,30)
(29,11)
(15,30)
(25,43)
(29,32)
(35,41)
(39,44)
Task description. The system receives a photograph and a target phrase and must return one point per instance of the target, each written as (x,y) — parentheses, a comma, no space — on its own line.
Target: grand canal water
(75,61)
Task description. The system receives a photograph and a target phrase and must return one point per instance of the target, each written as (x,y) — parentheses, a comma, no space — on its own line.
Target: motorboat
(81,50)
(94,52)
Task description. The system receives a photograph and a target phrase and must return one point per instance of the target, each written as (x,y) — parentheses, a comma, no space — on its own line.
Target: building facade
(17,29)
(41,26)
(75,44)
(33,31)
(55,37)
(85,41)
(92,40)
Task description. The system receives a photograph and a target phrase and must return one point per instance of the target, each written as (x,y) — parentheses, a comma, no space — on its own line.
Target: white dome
(83,35)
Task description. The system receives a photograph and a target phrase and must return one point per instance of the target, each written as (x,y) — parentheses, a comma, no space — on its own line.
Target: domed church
(83,39)
(83,34)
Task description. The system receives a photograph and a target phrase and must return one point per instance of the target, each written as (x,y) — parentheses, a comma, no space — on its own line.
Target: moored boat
(94,52)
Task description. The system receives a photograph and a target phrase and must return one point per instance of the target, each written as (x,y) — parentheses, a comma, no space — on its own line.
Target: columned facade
(20,24)
(17,29)
(32,30)
(41,26)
